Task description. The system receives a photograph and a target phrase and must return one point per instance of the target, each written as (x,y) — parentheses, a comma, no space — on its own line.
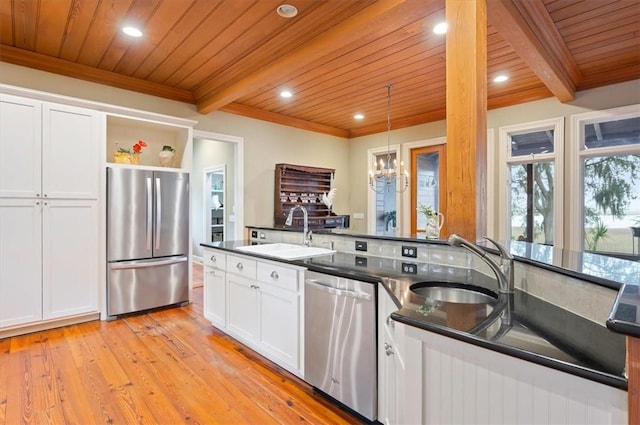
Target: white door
(215,296)
(20,147)
(70,153)
(70,257)
(280,323)
(20,261)
(242,304)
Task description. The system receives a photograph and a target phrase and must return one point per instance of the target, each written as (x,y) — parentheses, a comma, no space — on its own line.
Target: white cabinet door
(280,324)
(20,261)
(20,147)
(71,239)
(242,308)
(215,296)
(390,362)
(70,152)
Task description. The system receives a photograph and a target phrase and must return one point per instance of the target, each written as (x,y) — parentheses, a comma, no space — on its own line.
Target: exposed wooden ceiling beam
(70,69)
(260,114)
(533,37)
(339,36)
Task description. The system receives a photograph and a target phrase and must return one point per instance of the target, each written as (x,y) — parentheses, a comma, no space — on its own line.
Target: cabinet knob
(45,195)
(239,266)
(274,275)
(213,258)
(388,349)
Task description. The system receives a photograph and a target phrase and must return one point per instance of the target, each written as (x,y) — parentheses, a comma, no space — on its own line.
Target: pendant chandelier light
(393,177)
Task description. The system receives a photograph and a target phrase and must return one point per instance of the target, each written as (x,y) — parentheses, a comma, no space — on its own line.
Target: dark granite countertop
(611,272)
(520,325)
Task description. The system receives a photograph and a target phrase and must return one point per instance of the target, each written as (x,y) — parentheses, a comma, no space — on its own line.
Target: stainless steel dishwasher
(340,340)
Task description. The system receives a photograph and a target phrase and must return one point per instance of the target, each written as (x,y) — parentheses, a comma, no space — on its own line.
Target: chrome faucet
(503,271)
(306,237)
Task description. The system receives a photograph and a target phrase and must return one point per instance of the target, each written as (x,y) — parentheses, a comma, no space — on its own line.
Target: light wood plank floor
(165,367)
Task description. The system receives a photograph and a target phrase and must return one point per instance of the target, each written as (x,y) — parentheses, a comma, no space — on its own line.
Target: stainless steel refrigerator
(147,239)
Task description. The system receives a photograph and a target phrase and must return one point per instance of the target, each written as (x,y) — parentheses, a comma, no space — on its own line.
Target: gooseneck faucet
(503,271)
(306,237)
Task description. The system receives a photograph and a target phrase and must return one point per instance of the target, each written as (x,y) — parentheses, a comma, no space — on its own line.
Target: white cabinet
(242,308)
(280,318)
(262,305)
(391,364)
(449,381)
(20,261)
(48,150)
(20,147)
(215,293)
(49,219)
(70,256)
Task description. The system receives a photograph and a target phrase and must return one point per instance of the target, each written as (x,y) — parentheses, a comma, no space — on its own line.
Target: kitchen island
(540,330)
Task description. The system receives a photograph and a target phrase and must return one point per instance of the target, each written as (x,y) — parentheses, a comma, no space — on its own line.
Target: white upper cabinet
(48,150)
(70,152)
(20,144)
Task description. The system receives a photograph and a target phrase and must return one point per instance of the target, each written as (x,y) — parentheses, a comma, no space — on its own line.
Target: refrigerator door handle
(158,212)
(149,213)
(140,265)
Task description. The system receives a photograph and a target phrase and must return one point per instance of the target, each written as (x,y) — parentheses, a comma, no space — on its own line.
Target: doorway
(212,150)
(428,184)
(214,199)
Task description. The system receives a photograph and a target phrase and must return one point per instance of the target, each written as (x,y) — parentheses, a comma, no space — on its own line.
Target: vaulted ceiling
(336,56)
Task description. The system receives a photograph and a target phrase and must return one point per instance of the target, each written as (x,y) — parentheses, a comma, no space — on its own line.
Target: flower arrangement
(427,210)
(136,148)
(129,156)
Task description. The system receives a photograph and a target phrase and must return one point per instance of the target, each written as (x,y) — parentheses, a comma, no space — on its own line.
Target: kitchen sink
(454,293)
(286,251)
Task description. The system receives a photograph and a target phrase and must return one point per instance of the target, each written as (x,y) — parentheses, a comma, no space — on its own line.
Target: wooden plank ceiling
(336,56)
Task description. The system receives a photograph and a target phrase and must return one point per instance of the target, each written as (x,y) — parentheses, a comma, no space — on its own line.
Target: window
(383,214)
(607,181)
(531,182)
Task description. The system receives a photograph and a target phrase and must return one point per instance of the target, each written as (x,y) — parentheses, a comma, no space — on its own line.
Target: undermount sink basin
(453,293)
(286,251)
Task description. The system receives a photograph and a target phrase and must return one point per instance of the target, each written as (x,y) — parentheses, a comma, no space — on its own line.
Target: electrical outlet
(409,251)
(409,268)
(361,246)
(361,261)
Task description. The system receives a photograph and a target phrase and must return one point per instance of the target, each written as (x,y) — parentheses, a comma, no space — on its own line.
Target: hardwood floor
(164,367)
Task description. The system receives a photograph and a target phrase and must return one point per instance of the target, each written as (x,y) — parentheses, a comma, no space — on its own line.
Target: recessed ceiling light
(358,116)
(286,93)
(500,78)
(440,28)
(132,31)
(287,11)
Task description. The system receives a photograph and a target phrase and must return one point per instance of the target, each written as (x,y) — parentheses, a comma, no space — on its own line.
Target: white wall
(265,144)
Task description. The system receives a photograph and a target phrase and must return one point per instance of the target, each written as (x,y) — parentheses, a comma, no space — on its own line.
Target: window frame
(579,152)
(504,177)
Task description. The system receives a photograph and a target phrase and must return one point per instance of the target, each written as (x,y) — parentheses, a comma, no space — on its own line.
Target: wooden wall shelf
(303,185)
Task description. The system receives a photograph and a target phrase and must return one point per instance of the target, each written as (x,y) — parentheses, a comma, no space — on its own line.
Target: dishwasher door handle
(340,292)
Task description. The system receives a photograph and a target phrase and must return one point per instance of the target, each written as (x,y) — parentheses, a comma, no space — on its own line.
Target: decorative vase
(434,224)
(166,156)
(126,158)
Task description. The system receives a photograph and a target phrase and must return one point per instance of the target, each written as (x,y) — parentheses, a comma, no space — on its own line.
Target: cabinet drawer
(282,277)
(214,258)
(241,266)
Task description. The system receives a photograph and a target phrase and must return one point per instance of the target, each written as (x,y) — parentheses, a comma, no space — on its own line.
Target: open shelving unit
(303,185)
(215,181)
